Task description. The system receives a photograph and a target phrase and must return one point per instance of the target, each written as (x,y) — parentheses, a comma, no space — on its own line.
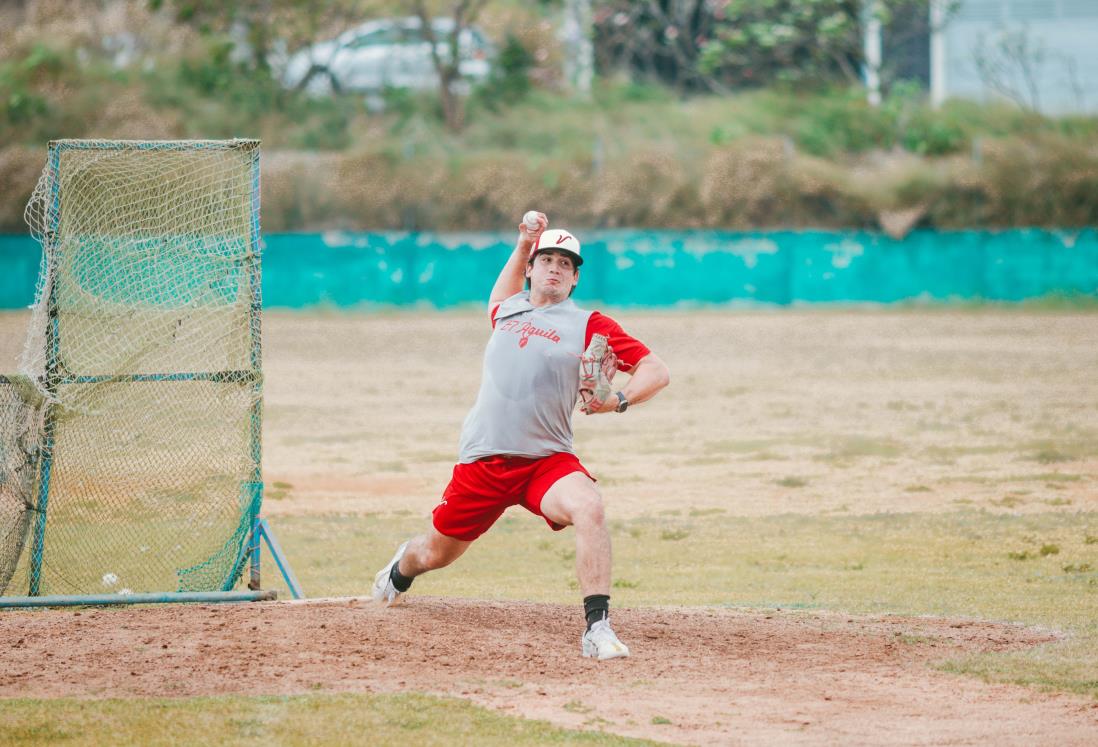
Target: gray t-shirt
(529,385)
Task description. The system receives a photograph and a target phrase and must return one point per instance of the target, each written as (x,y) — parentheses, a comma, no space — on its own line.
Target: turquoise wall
(657,268)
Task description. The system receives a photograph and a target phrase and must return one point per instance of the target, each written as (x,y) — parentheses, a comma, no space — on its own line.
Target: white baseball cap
(558,240)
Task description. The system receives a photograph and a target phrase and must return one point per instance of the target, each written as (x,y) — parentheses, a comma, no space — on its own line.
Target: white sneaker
(383,590)
(600,642)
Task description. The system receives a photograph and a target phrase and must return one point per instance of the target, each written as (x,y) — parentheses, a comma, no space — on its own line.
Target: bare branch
(682,46)
(1012,67)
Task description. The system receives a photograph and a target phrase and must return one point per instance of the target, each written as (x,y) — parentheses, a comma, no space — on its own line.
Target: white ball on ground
(531,219)
(109,579)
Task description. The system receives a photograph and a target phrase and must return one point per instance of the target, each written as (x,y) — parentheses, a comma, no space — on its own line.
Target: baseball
(109,579)
(531,219)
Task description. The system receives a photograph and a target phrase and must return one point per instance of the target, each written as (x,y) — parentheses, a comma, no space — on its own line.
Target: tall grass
(632,154)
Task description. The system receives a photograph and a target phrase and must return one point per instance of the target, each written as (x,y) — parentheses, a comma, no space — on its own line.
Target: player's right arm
(513,275)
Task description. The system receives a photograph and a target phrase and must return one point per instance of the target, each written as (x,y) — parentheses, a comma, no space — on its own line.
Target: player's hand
(597,407)
(530,234)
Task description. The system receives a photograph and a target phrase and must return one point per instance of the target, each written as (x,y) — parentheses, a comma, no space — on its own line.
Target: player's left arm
(648,373)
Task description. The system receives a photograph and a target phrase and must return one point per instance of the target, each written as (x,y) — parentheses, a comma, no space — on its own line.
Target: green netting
(20,430)
(144,344)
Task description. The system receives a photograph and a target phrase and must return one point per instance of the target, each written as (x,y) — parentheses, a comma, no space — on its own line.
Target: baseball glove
(598,364)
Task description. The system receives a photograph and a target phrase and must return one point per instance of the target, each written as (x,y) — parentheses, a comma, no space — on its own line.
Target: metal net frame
(130,442)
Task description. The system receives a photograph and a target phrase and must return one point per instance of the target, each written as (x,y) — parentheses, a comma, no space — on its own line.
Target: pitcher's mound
(695,675)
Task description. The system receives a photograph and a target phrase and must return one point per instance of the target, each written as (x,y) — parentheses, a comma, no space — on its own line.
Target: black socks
(596,607)
(400,581)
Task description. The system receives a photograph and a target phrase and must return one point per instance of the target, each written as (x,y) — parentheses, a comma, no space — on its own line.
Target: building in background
(1040,54)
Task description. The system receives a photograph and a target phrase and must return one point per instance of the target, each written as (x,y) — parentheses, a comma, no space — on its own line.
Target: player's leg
(467,509)
(574,500)
(422,553)
(429,552)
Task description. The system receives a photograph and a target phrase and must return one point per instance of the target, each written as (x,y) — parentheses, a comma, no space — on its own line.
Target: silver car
(389,53)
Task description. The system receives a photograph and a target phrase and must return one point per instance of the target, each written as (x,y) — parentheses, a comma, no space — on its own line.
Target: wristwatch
(623,403)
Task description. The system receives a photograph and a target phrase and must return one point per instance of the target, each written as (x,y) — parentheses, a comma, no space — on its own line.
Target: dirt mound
(717,676)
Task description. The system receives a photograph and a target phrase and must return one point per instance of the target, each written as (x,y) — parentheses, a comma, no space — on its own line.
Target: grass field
(305,719)
(909,462)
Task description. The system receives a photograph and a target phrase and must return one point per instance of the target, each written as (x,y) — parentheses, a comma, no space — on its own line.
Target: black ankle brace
(400,581)
(596,607)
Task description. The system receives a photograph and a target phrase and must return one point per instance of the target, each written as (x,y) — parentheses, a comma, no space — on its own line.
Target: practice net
(130,449)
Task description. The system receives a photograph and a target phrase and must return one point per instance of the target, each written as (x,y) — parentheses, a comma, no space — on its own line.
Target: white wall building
(1042,54)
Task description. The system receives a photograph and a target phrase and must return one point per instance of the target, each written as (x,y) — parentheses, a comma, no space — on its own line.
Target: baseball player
(516,443)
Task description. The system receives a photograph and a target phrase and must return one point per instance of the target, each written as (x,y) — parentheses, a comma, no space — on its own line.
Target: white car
(390,53)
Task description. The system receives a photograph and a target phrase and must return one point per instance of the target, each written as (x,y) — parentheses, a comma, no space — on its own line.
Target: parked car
(389,53)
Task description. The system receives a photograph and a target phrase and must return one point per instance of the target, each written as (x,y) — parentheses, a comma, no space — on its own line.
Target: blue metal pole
(254,582)
(246,543)
(255,321)
(280,560)
(204,597)
(51,247)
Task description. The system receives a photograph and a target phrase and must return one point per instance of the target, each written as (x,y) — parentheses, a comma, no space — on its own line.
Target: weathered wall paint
(657,268)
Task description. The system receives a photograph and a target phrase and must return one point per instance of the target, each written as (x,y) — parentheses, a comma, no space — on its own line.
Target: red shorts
(481,491)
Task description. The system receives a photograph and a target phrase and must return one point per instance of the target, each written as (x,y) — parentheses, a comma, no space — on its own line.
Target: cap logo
(562,238)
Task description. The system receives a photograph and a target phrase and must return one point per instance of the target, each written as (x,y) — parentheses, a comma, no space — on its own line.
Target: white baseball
(109,579)
(531,220)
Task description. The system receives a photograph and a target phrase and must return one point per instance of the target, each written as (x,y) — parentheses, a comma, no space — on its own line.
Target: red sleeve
(492,314)
(628,349)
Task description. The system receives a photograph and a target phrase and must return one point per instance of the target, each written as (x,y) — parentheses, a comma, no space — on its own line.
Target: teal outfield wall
(658,268)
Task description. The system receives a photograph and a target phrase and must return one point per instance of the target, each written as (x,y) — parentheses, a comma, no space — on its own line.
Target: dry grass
(753,182)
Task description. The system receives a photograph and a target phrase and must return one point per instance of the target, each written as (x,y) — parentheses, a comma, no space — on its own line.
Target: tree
(717,45)
(256,28)
(658,39)
(792,41)
(1011,64)
(447,63)
(579,55)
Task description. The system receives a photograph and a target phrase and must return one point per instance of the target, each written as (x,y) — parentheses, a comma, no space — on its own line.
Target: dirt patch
(769,412)
(805,411)
(696,675)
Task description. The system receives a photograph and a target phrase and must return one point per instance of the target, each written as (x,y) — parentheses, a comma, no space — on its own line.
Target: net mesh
(20,426)
(144,345)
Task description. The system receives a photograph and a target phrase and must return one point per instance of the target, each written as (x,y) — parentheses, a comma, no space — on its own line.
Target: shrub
(509,81)
(653,188)
(746,184)
(24,106)
(19,169)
